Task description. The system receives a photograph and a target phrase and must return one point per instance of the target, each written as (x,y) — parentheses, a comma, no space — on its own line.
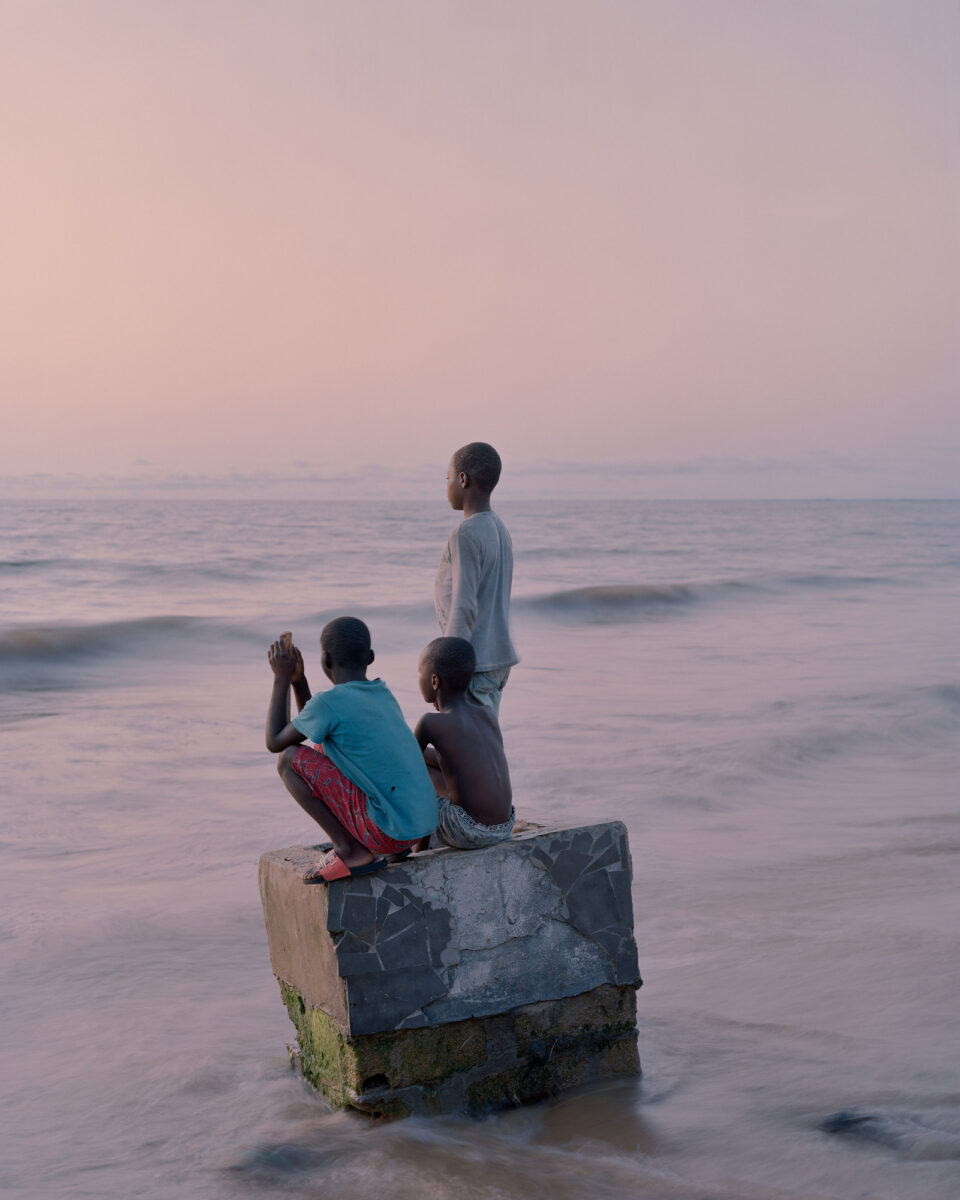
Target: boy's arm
(425,741)
(422,733)
(279,732)
(301,689)
(465,575)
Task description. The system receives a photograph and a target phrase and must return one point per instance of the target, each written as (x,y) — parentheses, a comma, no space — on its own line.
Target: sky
(677,248)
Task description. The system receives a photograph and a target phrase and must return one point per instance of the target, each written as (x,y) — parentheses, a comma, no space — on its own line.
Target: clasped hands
(285,659)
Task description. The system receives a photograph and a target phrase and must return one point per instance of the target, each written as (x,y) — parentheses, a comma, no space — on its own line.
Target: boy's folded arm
(280,731)
(289,735)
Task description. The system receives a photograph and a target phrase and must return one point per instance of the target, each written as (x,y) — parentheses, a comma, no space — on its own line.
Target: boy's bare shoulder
(423,729)
(439,722)
(432,725)
(467,725)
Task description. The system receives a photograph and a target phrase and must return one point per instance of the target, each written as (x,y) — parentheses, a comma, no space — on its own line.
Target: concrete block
(453,938)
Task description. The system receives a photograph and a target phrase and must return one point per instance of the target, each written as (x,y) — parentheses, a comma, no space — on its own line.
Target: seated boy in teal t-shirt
(368,787)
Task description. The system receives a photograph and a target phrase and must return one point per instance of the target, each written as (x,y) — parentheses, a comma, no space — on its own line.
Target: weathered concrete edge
(295,915)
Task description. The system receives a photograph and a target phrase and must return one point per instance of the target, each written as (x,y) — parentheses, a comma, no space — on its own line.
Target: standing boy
(463,749)
(472,587)
(368,787)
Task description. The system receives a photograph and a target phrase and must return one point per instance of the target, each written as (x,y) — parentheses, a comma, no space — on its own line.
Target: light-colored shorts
(459,830)
(486,687)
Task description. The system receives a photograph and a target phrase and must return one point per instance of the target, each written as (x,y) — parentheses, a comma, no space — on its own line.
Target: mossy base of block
(475,1065)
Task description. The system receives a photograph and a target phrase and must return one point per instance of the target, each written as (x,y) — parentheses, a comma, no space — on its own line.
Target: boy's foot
(332,867)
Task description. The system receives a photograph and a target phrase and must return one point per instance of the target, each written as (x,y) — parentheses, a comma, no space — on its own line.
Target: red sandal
(332,867)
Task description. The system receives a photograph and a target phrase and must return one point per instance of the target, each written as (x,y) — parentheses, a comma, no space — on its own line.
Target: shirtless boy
(463,749)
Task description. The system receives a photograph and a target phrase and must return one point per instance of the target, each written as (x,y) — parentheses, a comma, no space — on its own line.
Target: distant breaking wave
(612,599)
(25,564)
(611,602)
(597,604)
(60,641)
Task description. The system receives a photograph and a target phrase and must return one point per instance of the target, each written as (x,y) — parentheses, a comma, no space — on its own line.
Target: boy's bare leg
(348,849)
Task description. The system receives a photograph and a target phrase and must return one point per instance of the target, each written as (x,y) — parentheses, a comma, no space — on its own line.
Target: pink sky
(669,237)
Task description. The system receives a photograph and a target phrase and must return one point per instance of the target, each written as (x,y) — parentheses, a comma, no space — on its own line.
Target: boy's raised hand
(284,659)
(294,650)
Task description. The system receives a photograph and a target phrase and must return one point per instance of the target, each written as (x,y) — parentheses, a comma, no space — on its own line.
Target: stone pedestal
(460,980)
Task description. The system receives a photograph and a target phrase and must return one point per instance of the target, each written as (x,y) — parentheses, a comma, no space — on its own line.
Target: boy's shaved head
(347,641)
(453,660)
(480,462)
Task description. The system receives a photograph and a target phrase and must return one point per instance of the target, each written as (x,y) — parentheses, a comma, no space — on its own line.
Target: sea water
(768,694)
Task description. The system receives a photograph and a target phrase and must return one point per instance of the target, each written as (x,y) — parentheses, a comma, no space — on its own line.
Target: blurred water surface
(768,694)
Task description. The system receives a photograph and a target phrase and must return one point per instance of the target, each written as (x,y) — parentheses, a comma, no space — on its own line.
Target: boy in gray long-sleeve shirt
(472,588)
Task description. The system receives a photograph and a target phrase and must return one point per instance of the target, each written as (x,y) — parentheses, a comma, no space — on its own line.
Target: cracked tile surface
(448,935)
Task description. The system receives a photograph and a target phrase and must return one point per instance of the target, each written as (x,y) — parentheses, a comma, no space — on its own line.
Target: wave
(611,602)
(600,603)
(611,599)
(827,581)
(61,641)
(165,635)
(25,564)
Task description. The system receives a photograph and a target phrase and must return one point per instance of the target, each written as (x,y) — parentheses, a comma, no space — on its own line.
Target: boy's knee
(285,759)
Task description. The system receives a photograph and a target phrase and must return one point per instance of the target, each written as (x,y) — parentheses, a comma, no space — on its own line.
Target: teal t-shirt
(364,734)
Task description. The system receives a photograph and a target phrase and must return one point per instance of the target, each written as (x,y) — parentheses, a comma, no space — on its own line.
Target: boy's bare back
(471,765)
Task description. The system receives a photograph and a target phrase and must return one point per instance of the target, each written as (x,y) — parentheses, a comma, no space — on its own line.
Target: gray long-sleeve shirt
(472,589)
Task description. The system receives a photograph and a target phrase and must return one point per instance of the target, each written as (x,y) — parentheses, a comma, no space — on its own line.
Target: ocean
(766,693)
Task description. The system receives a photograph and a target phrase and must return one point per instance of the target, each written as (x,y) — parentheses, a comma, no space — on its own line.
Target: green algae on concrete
(605,1011)
(322,1058)
(565,1069)
(345,1068)
(475,1065)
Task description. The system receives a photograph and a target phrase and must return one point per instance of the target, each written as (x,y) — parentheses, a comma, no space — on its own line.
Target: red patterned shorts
(344,799)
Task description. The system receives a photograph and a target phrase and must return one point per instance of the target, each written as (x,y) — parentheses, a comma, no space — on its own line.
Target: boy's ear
(326,660)
(463,479)
(371,658)
(435,682)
